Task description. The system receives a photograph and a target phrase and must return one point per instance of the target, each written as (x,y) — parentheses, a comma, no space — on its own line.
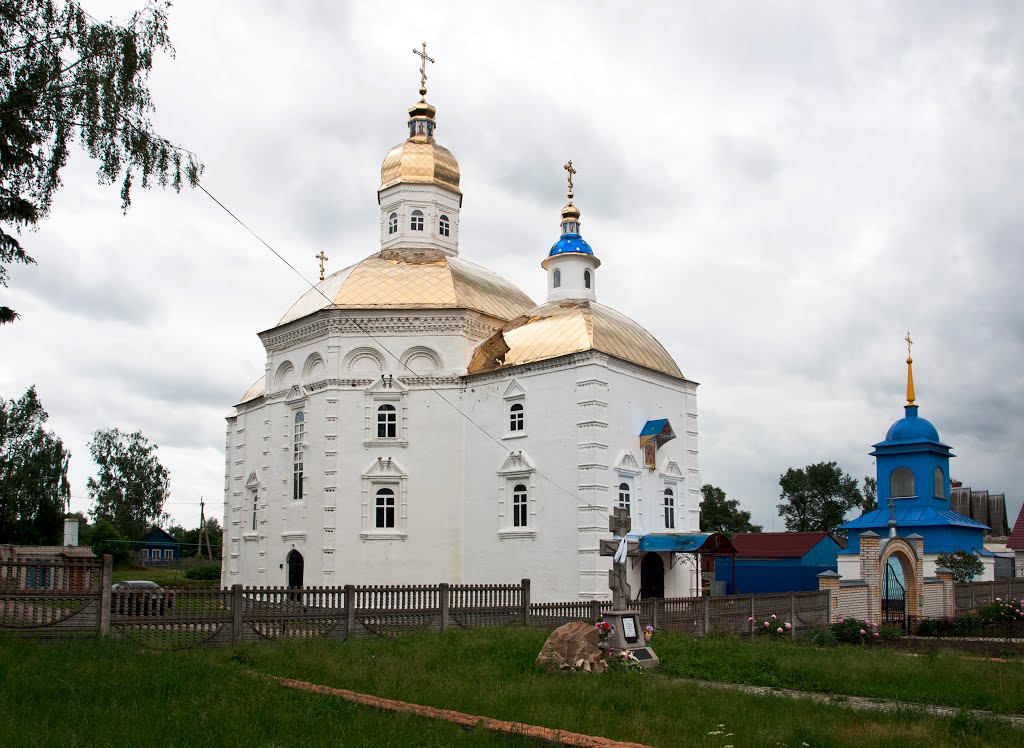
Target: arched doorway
(295,564)
(652,576)
(899,586)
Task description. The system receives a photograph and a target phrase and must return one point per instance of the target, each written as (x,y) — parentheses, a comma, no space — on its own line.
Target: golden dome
(413,279)
(254,392)
(419,160)
(570,212)
(559,328)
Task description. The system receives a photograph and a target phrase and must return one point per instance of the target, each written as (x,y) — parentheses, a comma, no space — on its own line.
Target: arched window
(416,222)
(385,508)
(393,223)
(298,433)
(556,279)
(515,417)
(387,421)
(670,509)
(901,483)
(624,495)
(255,503)
(519,514)
(939,490)
(586,278)
(443,226)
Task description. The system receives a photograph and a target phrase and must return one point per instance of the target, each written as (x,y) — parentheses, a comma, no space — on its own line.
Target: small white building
(420,419)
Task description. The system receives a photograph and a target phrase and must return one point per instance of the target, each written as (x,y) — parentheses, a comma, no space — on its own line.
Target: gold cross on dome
(909,343)
(323,258)
(569,172)
(424,58)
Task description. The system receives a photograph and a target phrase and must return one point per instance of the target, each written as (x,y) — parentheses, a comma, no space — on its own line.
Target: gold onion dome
(570,212)
(413,279)
(420,160)
(560,328)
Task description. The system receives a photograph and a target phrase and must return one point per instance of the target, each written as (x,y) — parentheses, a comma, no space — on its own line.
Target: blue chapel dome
(569,243)
(912,428)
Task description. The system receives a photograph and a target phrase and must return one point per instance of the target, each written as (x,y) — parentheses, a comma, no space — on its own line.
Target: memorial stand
(627,634)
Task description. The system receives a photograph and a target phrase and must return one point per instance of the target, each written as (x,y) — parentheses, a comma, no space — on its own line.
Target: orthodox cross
(323,258)
(620,525)
(424,58)
(892,510)
(909,343)
(570,171)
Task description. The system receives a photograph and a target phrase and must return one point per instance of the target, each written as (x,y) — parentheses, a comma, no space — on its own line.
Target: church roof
(570,243)
(913,516)
(419,160)
(559,328)
(1016,540)
(413,279)
(255,391)
(777,544)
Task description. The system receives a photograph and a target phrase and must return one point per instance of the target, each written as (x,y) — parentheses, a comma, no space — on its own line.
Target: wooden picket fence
(55,598)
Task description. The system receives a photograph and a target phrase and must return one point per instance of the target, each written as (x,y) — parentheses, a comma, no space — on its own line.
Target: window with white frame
(416,220)
(670,509)
(168,553)
(298,434)
(520,507)
(624,495)
(443,226)
(516,415)
(393,224)
(384,509)
(387,421)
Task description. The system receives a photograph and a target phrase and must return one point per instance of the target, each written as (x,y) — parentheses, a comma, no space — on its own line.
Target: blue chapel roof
(913,516)
(570,243)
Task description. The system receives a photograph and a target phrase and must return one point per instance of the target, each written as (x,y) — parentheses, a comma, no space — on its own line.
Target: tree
(870,502)
(965,566)
(107,539)
(191,540)
(132,485)
(64,77)
(34,488)
(719,514)
(817,497)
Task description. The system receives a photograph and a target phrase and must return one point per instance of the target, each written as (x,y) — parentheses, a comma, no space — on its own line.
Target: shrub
(823,637)
(1002,611)
(204,572)
(855,631)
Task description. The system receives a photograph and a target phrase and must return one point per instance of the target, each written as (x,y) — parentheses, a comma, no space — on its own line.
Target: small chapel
(420,419)
(895,548)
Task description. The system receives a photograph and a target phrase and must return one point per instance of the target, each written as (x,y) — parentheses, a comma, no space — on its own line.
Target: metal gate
(894,600)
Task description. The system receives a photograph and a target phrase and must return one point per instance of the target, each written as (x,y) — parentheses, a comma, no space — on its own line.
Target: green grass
(170,578)
(111,693)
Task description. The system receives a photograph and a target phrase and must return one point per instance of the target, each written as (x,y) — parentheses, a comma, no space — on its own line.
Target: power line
(333,305)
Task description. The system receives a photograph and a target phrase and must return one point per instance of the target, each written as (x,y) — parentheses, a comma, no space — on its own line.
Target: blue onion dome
(570,241)
(912,428)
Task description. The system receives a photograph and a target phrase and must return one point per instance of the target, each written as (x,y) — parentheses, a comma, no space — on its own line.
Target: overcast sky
(778,191)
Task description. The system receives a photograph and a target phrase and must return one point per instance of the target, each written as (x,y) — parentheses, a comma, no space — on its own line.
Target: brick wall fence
(52,599)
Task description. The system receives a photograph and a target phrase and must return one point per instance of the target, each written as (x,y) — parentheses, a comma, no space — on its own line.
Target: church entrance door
(894,598)
(295,564)
(652,576)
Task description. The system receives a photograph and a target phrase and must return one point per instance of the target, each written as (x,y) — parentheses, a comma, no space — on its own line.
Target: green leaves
(66,77)
(34,488)
(719,514)
(132,485)
(965,566)
(817,497)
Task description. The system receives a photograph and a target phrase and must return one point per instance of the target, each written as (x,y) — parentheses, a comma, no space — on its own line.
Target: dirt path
(861,703)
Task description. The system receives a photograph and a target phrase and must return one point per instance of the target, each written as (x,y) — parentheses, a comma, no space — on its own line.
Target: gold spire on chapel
(570,212)
(569,171)
(910,371)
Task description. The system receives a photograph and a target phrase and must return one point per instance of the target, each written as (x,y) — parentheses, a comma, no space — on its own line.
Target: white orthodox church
(420,419)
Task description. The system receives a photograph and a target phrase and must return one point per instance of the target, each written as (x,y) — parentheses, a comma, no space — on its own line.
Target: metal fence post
(792,616)
(751,617)
(350,610)
(445,602)
(237,603)
(525,602)
(106,579)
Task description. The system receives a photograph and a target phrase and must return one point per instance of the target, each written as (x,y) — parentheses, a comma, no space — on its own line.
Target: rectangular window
(297,455)
(670,509)
(387,422)
(385,508)
(624,495)
(520,516)
(168,553)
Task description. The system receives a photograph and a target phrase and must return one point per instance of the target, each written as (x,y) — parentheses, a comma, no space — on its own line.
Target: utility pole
(202,531)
